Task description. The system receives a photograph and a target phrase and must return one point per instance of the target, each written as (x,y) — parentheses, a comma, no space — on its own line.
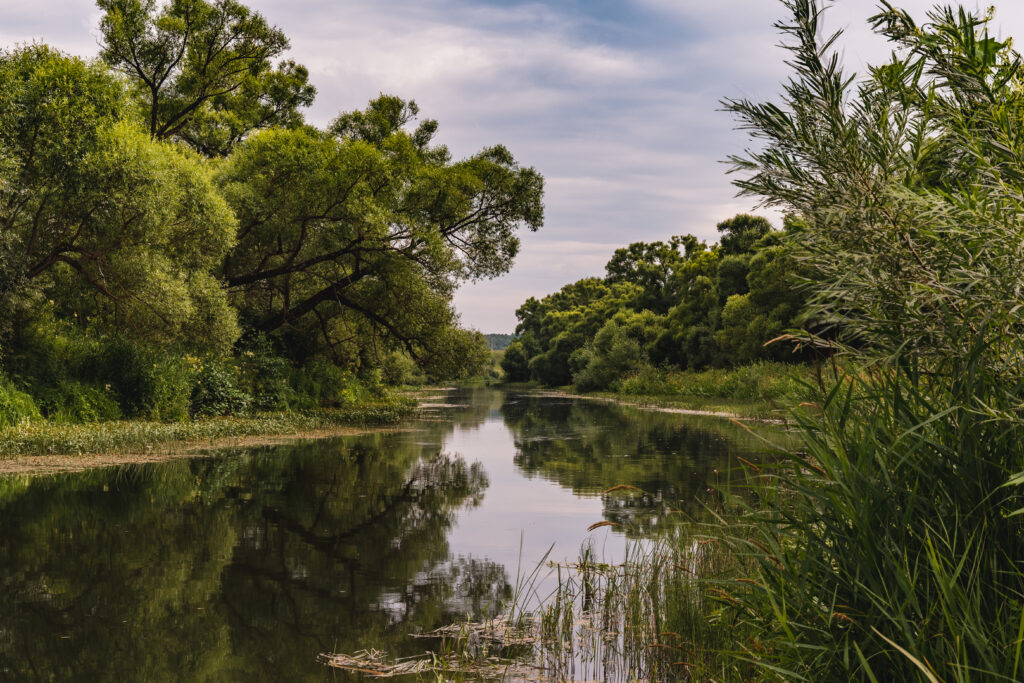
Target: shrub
(618,350)
(16,407)
(218,391)
(318,383)
(169,384)
(398,369)
(647,381)
(72,401)
(265,376)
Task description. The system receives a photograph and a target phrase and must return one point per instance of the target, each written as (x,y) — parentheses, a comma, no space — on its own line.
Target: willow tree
(202,72)
(355,238)
(99,220)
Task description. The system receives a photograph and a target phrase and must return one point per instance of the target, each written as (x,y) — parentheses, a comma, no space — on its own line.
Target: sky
(615,102)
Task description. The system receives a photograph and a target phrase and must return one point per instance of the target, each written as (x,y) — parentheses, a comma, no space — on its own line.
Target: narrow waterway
(248,564)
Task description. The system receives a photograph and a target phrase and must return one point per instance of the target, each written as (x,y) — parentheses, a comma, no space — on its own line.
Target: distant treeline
(677,304)
(499,342)
(175,238)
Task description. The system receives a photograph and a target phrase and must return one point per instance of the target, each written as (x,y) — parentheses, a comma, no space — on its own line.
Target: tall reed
(888,549)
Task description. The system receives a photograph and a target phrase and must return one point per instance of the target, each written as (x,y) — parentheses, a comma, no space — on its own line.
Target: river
(249,563)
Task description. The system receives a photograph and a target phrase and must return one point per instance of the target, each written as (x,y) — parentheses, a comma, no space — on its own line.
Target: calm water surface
(247,565)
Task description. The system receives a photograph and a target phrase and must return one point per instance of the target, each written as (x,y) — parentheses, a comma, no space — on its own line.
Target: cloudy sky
(614,101)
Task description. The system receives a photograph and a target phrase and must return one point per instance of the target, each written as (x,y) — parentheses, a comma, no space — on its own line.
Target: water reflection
(661,463)
(247,566)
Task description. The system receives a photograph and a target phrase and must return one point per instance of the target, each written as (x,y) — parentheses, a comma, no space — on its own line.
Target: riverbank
(760,391)
(141,440)
(761,411)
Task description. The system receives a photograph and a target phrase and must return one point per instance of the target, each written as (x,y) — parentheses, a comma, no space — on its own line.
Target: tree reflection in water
(661,461)
(248,566)
(237,567)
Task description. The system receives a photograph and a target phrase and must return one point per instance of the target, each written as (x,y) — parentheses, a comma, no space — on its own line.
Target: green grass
(122,436)
(887,547)
(760,390)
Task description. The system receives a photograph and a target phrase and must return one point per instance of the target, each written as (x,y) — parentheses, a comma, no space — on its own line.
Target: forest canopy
(171,221)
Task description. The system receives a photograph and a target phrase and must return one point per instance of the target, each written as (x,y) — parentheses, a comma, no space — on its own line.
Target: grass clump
(887,549)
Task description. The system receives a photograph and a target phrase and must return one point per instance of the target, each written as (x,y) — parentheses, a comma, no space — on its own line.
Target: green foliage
(499,342)
(740,233)
(619,348)
(516,362)
(266,376)
(322,383)
(73,402)
(218,391)
(16,407)
(888,546)
(781,383)
(182,210)
(399,225)
(110,226)
(43,438)
(699,308)
(399,369)
(651,265)
(457,354)
(202,70)
(150,383)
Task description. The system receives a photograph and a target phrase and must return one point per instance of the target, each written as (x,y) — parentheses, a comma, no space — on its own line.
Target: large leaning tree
(202,71)
(97,220)
(362,232)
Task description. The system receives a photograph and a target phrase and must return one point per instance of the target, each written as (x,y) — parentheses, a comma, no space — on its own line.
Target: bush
(219,391)
(145,382)
(16,407)
(318,383)
(647,381)
(169,383)
(149,383)
(265,376)
(398,369)
(72,401)
(755,382)
(618,350)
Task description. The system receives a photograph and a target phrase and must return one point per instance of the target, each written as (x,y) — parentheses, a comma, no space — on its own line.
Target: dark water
(248,565)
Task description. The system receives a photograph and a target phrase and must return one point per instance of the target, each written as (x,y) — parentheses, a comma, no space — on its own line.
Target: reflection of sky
(516,506)
(614,101)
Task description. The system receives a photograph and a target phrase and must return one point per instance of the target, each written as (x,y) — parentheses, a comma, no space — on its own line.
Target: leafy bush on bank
(16,407)
(62,374)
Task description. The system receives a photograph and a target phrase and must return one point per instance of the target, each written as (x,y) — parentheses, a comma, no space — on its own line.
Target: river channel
(250,563)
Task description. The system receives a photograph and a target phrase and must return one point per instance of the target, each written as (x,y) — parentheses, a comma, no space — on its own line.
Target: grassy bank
(50,438)
(759,390)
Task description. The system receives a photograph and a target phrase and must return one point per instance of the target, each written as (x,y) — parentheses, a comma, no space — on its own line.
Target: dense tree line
(170,224)
(679,303)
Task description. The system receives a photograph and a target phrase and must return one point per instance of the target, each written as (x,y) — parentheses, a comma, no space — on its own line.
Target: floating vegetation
(651,617)
(374,664)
